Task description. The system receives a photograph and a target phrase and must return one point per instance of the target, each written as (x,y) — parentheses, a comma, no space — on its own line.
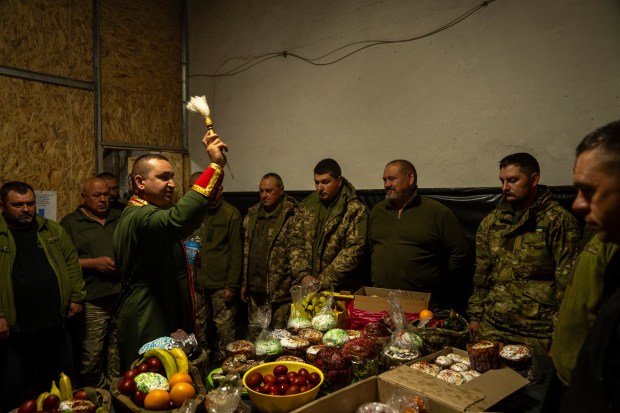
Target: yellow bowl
(267,403)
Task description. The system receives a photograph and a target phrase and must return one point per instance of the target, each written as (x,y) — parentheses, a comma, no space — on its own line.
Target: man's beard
(22,221)
(391,195)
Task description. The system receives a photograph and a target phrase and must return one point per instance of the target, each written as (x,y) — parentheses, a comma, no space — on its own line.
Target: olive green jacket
(580,305)
(522,265)
(221,253)
(156,296)
(339,257)
(61,255)
(279,276)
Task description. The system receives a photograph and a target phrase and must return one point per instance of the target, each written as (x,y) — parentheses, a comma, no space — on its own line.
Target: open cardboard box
(372,389)
(373,299)
(476,395)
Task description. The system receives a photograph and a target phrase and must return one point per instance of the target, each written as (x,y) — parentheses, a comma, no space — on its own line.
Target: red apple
(143,368)
(51,402)
(29,406)
(138,398)
(131,373)
(154,364)
(127,387)
(80,395)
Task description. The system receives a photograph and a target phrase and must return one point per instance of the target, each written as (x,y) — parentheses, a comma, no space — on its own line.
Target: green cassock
(156,298)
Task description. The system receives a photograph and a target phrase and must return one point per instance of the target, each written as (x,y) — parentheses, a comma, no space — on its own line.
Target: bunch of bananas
(174,360)
(63,390)
(314,303)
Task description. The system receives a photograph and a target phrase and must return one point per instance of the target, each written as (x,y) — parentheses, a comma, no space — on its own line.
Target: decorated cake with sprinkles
(517,356)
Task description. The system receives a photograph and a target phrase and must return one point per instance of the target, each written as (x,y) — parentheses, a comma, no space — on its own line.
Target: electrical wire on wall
(361,45)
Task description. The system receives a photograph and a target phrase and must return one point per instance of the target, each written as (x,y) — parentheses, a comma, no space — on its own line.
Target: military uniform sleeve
(298,254)
(236,250)
(565,238)
(78,293)
(484,270)
(246,250)
(351,256)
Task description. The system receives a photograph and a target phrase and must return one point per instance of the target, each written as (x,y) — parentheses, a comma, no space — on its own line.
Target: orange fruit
(181,392)
(180,378)
(426,314)
(157,400)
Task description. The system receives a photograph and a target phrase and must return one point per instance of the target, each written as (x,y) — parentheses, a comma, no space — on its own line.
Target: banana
(66,391)
(40,399)
(166,360)
(181,359)
(55,390)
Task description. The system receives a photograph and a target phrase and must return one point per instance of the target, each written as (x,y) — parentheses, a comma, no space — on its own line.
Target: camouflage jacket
(279,278)
(341,254)
(522,265)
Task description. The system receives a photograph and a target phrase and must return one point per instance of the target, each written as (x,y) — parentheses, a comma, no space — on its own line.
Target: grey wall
(518,75)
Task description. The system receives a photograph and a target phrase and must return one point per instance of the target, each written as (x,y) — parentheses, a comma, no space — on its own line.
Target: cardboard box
(373,300)
(476,395)
(372,389)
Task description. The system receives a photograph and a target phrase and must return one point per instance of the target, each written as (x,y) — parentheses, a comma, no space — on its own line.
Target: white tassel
(198,104)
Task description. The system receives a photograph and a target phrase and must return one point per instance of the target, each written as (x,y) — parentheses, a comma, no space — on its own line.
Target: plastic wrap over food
(165,343)
(402,347)
(227,397)
(187,342)
(266,346)
(403,400)
(375,407)
(301,295)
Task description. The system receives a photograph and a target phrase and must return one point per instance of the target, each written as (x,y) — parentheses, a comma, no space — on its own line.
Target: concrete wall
(517,75)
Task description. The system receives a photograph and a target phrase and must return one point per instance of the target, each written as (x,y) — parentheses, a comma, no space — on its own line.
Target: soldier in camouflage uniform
(267,276)
(525,249)
(218,275)
(330,239)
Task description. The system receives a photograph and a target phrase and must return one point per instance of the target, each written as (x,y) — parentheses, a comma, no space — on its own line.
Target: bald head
(96,197)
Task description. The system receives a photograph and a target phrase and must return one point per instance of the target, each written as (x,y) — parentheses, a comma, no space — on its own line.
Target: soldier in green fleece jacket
(417,243)
(329,239)
(156,293)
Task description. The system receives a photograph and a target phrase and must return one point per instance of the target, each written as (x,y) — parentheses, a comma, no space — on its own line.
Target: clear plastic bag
(227,397)
(325,319)
(266,346)
(301,296)
(409,401)
(402,347)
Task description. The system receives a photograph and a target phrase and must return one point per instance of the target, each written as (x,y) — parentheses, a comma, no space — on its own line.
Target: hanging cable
(316,60)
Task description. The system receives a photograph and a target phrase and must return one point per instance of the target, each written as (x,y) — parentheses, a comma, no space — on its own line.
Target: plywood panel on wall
(141,47)
(46,138)
(48,36)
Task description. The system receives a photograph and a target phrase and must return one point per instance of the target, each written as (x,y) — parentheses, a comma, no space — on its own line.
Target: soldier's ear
(138,181)
(534,178)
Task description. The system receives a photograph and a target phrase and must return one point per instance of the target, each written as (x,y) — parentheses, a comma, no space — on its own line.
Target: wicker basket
(124,404)
(100,397)
(437,338)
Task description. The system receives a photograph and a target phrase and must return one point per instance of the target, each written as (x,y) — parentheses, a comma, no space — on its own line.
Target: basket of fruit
(61,398)
(443,329)
(160,381)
